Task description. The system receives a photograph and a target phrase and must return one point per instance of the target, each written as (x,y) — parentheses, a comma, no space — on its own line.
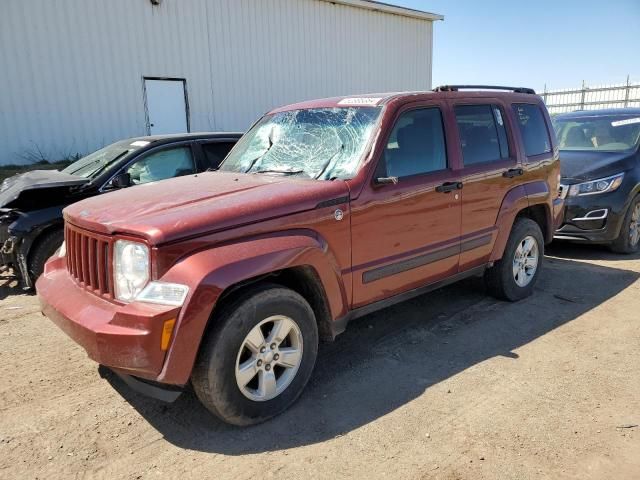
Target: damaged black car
(31,203)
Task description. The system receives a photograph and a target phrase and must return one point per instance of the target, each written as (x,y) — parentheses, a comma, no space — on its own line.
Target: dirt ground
(451,385)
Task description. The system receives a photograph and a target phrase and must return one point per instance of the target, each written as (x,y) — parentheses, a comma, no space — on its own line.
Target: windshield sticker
(628,121)
(360,101)
(140,143)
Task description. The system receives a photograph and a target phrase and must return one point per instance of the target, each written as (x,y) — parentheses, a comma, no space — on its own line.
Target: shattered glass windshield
(319,143)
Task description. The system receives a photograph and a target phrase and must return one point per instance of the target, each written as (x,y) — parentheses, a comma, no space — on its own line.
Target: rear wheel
(514,276)
(258,357)
(44,248)
(629,239)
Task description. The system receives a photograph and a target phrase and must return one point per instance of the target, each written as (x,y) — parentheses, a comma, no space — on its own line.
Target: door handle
(449,187)
(513,172)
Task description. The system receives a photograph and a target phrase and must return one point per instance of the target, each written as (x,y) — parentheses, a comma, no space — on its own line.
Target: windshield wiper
(283,172)
(83,166)
(95,174)
(328,162)
(253,162)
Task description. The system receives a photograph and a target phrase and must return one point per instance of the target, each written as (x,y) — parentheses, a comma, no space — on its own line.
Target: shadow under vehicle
(388,359)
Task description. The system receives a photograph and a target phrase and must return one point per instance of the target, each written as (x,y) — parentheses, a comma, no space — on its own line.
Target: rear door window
(533,129)
(483,135)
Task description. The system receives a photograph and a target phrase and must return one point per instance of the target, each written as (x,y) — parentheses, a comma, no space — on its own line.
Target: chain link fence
(593,97)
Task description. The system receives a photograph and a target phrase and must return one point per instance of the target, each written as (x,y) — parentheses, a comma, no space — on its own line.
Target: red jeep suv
(324,211)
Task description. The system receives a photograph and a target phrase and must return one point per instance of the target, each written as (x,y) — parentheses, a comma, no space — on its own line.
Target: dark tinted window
(533,129)
(416,144)
(482,133)
(215,152)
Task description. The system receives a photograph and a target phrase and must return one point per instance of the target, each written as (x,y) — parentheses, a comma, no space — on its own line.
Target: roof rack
(455,88)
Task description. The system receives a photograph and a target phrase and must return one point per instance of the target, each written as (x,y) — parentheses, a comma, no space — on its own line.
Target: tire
(216,377)
(42,250)
(501,279)
(628,240)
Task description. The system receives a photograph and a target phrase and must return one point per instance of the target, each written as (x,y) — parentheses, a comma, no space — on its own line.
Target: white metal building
(76,75)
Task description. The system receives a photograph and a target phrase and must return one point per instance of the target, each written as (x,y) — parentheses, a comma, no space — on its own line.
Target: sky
(558,43)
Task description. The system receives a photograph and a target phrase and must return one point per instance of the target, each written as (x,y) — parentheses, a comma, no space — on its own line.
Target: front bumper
(124,337)
(593,218)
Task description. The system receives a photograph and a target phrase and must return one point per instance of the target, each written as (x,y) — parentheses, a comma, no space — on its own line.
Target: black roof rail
(455,88)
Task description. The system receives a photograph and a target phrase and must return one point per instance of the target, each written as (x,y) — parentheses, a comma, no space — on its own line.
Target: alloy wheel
(269,358)
(525,261)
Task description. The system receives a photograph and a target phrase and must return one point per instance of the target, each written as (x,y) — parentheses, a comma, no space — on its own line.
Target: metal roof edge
(387,8)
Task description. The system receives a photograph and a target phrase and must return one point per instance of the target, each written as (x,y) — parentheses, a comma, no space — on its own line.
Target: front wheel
(514,276)
(629,239)
(44,248)
(258,356)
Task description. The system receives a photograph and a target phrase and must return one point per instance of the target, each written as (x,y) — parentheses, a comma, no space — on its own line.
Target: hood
(580,166)
(16,188)
(190,206)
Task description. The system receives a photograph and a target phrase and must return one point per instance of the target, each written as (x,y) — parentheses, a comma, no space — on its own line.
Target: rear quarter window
(533,129)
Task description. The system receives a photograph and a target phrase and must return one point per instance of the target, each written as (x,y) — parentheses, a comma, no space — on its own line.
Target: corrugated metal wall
(71,71)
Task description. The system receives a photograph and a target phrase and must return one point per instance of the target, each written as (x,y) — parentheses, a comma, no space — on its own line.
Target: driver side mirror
(122,180)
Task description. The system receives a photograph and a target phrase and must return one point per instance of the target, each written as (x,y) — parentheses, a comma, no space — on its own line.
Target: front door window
(161,165)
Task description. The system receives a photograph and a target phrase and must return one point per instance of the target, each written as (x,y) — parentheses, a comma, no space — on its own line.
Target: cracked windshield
(319,143)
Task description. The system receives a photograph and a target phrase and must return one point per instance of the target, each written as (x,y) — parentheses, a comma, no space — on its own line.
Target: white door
(166,106)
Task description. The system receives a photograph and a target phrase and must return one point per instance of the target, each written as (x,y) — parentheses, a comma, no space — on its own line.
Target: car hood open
(15,188)
(580,166)
(190,206)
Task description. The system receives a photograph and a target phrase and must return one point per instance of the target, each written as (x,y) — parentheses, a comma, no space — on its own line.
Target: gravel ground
(452,385)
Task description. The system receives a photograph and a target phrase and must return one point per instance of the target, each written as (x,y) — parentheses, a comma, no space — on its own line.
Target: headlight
(62,251)
(130,269)
(164,293)
(602,185)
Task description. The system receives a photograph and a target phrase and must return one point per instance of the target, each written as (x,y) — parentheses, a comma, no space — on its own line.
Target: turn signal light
(167,330)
